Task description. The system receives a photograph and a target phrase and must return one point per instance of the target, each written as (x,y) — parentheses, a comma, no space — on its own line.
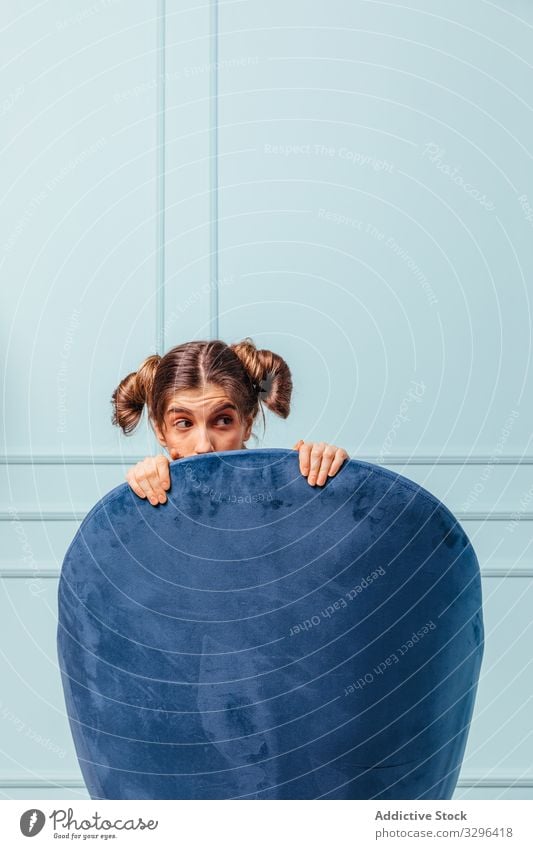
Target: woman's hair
(248,376)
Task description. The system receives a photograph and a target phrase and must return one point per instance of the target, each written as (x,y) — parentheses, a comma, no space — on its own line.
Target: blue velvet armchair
(258,638)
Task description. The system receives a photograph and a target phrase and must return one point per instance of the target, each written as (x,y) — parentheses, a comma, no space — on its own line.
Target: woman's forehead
(207,398)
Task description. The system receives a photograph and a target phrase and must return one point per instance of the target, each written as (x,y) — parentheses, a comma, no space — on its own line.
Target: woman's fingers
(312,453)
(149,478)
(326,464)
(143,478)
(138,481)
(133,482)
(161,463)
(305,457)
(318,460)
(338,459)
(317,455)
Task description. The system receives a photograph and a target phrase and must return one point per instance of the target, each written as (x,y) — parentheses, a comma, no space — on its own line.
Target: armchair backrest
(256,637)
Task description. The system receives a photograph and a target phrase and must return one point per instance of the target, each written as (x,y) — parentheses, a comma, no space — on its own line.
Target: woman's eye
(226,419)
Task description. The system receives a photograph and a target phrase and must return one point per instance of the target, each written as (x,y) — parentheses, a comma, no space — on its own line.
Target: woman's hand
(150,478)
(319,460)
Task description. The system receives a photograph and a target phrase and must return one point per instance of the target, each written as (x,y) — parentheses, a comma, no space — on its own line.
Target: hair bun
(269,375)
(132,393)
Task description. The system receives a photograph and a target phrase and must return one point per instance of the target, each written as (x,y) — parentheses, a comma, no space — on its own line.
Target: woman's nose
(204,445)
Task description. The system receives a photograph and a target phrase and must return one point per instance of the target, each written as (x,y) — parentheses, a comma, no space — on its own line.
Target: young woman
(204,396)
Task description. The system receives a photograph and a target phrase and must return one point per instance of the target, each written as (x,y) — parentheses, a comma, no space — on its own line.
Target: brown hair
(247,374)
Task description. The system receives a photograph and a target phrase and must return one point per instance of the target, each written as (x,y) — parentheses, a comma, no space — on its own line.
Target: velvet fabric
(258,638)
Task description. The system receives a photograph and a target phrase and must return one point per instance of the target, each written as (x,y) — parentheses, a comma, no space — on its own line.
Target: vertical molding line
(160,180)
(213,171)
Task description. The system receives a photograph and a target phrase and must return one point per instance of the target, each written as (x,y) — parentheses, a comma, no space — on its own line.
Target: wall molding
(68,460)
(41,783)
(501,516)
(79,515)
(50,782)
(43,515)
(448,460)
(486,572)
(396,460)
(496,781)
(213,171)
(160,179)
(34,574)
(502,572)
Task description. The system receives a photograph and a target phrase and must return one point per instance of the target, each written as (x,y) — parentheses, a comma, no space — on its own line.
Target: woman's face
(199,421)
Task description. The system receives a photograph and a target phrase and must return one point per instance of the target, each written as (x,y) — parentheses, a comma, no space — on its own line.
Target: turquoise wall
(350,184)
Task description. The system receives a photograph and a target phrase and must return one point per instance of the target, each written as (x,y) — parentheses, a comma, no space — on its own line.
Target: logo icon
(31,822)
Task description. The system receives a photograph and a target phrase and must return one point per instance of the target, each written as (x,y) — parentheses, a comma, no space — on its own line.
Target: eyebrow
(218,409)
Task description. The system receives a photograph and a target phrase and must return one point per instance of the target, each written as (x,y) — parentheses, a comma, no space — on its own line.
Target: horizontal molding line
(75,784)
(503,516)
(499,572)
(393,460)
(43,516)
(486,572)
(495,782)
(443,460)
(68,460)
(35,574)
(47,783)
(75,516)
(41,783)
